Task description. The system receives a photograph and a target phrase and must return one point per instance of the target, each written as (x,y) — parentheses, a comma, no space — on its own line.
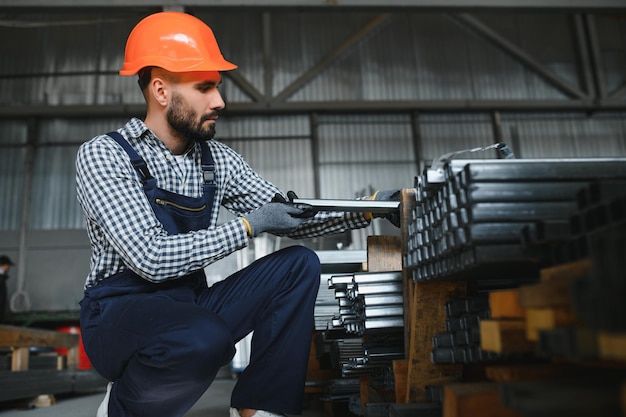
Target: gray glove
(276,218)
(389,195)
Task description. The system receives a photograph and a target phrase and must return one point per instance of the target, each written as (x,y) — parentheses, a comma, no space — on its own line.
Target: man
(150,194)
(5,266)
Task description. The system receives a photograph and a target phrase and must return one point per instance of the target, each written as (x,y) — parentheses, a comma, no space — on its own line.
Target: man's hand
(308,211)
(388,195)
(277,218)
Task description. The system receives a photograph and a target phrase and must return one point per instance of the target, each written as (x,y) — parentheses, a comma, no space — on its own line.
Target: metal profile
(359,206)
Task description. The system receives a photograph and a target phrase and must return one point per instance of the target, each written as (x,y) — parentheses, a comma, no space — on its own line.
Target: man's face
(186,122)
(194,106)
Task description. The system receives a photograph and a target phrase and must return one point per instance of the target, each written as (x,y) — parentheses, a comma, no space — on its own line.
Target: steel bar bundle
(481,218)
(368,300)
(325,305)
(460,342)
(599,227)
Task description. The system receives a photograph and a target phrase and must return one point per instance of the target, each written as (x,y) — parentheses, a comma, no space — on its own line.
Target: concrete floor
(214,403)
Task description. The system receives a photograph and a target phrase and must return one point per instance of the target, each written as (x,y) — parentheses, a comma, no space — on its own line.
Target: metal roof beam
(330,58)
(516,52)
(138,110)
(377,4)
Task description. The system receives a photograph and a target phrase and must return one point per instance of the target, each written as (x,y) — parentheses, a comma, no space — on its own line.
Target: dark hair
(5,260)
(145,75)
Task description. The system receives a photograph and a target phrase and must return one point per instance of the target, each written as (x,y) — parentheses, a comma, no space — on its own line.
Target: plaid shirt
(123,230)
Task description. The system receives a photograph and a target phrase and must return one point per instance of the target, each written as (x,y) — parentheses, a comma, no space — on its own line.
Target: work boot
(259,413)
(103,410)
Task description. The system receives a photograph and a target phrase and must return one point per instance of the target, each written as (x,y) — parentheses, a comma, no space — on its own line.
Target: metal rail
(362,206)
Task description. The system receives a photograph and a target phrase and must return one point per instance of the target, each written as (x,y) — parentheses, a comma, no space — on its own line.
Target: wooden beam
(400,369)
(14,337)
(479,399)
(528,372)
(504,336)
(407,205)
(612,346)
(570,269)
(427,308)
(384,254)
(505,304)
(538,319)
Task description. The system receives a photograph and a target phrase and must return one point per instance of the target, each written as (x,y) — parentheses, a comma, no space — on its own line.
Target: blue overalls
(163,344)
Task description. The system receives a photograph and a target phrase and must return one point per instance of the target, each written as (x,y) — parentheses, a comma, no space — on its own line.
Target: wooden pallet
(21,382)
(21,339)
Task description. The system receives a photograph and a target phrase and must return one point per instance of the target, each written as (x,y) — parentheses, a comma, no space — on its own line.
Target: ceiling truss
(592,96)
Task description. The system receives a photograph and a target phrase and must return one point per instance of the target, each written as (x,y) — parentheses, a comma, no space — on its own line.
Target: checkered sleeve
(247,191)
(127,232)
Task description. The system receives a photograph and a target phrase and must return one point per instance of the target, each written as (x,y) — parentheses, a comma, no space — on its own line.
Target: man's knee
(304,258)
(305,267)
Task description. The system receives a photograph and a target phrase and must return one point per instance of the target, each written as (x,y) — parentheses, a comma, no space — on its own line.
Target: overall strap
(138,162)
(208,175)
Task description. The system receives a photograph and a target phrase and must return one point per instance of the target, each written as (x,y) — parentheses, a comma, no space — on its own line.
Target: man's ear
(160,90)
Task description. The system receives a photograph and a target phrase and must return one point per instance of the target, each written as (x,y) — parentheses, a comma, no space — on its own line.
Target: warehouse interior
(335,100)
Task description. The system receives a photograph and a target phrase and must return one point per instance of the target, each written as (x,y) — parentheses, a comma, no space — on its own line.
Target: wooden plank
(504,336)
(314,373)
(538,319)
(505,304)
(528,372)
(384,254)
(571,270)
(612,346)
(427,306)
(364,392)
(552,293)
(14,337)
(578,396)
(73,357)
(19,359)
(478,399)
(407,205)
(400,369)
(554,287)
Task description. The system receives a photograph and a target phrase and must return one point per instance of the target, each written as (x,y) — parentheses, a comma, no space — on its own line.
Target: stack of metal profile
(470,214)
(460,342)
(368,301)
(333,261)
(354,356)
(325,304)
(599,225)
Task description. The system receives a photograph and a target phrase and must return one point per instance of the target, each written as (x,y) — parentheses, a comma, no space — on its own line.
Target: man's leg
(275,298)
(162,354)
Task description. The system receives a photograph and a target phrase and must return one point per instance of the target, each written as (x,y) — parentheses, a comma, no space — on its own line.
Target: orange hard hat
(174,41)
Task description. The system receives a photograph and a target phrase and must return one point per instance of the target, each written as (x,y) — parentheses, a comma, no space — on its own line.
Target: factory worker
(150,193)
(5,266)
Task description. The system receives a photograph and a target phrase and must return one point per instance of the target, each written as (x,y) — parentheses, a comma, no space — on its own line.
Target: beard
(184,121)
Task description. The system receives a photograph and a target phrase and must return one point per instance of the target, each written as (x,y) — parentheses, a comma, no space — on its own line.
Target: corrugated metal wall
(407,56)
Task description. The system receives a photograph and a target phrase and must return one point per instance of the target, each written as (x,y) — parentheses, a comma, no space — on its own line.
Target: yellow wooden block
(570,270)
(504,336)
(612,346)
(505,304)
(538,319)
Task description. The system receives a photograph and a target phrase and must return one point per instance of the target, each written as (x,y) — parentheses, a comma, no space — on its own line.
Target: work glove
(277,217)
(308,211)
(388,195)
